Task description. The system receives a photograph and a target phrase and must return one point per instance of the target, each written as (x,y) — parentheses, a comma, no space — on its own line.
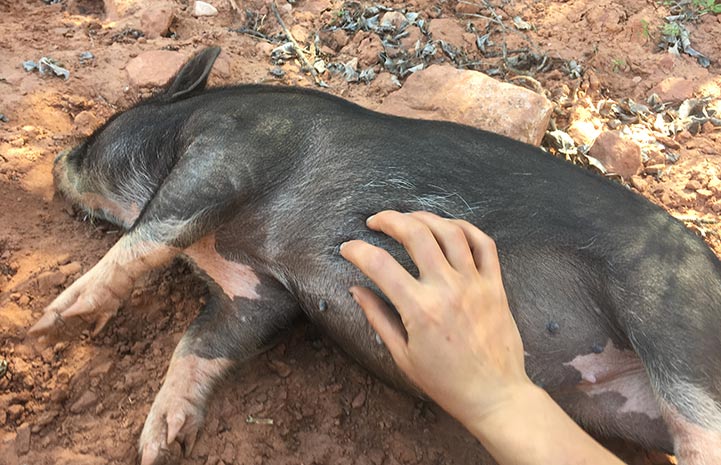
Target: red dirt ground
(83,400)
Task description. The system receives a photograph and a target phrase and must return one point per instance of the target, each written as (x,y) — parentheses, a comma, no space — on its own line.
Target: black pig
(617,303)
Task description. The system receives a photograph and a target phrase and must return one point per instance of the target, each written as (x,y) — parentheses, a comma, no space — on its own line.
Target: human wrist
(512,407)
(530,413)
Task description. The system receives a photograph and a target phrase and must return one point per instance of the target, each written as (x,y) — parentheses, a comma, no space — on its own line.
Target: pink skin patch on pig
(236,279)
(693,444)
(620,372)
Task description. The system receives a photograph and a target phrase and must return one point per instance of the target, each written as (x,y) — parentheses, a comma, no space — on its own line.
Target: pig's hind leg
(678,341)
(227,332)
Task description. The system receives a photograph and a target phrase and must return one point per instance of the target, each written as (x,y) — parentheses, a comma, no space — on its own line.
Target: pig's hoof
(172,418)
(97,295)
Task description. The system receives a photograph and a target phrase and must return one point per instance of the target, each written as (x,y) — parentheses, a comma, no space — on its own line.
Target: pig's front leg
(100,292)
(228,331)
(195,199)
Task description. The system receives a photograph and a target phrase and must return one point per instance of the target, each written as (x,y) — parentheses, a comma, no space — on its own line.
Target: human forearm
(531,429)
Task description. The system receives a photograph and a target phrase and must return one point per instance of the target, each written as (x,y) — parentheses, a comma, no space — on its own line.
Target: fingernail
(368,220)
(342,245)
(350,291)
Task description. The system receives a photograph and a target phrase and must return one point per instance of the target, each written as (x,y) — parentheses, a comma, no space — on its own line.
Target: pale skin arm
(456,321)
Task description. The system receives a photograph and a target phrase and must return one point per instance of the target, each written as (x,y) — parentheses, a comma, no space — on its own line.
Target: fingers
(376,263)
(415,236)
(452,240)
(386,324)
(482,246)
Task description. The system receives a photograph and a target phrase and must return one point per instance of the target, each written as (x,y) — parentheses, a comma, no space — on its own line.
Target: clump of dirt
(83,400)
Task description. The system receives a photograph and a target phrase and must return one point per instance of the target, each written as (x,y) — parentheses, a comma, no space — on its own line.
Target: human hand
(460,345)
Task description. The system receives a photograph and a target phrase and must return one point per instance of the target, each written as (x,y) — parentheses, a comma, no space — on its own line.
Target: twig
(696,219)
(254,34)
(234,6)
(296,47)
(498,20)
(534,83)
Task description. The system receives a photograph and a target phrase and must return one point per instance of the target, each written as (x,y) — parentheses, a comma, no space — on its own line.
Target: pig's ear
(193,76)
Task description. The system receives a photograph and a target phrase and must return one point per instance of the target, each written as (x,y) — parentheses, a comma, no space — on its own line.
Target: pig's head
(113,173)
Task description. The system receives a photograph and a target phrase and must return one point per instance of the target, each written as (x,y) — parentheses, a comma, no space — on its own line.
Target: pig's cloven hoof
(99,294)
(177,414)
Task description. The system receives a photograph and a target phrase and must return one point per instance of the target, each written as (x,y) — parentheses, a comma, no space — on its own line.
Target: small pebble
(86,401)
(15,411)
(204,9)
(280,368)
(22,440)
(359,400)
(71,268)
(49,280)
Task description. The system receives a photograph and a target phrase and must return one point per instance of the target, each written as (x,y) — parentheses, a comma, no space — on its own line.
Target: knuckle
(456,233)
(376,259)
(415,229)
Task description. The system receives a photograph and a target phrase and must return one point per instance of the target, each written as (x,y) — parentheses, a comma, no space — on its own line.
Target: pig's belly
(602,385)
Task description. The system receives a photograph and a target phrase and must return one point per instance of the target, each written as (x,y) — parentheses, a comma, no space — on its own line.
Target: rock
(447,30)
(300,33)
(316,7)
(668,142)
(155,20)
(86,122)
(15,411)
(442,92)
(102,369)
(335,39)
(369,51)
(674,89)
(394,19)
(204,9)
(359,400)
(384,84)
(264,49)
(583,132)
(22,439)
(467,7)
(693,185)
(639,183)
(714,185)
(280,368)
(48,280)
(86,401)
(71,269)
(154,68)
(414,35)
(618,155)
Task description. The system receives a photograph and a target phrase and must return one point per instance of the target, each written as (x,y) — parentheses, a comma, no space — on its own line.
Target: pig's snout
(62,176)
